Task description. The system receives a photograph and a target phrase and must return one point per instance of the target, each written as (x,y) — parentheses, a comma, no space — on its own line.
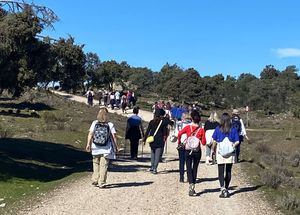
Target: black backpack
(101,134)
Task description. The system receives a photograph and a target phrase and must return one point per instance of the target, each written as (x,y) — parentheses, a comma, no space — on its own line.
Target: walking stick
(142,149)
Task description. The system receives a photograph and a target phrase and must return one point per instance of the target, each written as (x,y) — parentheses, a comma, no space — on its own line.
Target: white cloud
(287,52)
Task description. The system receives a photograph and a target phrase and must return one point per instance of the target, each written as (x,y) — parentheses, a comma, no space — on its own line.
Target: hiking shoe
(154,171)
(226,194)
(192,190)
(181,180)
(151,169)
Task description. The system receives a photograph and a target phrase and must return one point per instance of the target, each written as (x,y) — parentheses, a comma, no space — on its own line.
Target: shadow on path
(200,180)
(128,184)
(135,167)
(245,189)
(39,160)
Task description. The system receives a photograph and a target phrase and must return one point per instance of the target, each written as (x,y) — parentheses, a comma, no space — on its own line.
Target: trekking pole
(142,149)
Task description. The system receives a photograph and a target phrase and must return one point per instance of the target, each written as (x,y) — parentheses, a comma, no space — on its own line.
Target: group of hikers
(113,99)
(220,136)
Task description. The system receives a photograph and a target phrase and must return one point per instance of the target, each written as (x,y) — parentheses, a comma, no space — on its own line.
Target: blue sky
(213,36)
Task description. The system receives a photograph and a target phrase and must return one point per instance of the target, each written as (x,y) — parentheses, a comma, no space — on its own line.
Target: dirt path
(133,190)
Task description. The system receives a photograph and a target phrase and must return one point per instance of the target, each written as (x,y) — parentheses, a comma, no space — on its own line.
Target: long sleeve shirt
(189,129)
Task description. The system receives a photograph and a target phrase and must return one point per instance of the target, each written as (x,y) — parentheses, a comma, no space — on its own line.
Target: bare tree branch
(44,14)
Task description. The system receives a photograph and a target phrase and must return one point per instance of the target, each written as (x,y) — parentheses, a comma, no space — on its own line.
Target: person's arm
(127,129)
(89,142)
(243,129)
(203,138)
(114,141)
(215,137)
(181,132)
(147,131)
(142,129)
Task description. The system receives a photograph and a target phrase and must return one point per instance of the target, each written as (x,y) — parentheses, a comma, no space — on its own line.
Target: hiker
(181,146)
(105,98)
(90,97)
(226,139)
(118,99)
(134,132)
(155,136)
(238,124)
(212,122)
(168,123)
(112,100)
(195,137)
(124,103)
(100,97)
(102,142)
(154,108)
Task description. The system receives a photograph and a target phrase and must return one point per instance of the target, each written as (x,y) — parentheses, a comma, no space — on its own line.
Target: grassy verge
(42,145)
(272,161)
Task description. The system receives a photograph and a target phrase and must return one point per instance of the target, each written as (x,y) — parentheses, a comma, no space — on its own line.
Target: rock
(2,205)
(1,199)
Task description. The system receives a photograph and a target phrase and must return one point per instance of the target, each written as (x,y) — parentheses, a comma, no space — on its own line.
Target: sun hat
(235,111)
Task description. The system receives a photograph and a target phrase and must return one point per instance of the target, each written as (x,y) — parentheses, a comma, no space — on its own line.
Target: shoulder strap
(157,128)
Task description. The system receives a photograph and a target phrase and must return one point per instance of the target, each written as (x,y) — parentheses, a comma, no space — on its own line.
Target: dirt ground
(131,189)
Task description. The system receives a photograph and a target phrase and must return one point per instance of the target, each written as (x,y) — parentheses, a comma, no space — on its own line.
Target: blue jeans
(181,154)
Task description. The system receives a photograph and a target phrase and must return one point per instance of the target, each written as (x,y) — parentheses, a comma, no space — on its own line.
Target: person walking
(134,132)
(181,146)
(90,97)
(238,123)
(212,122)
(102,143)
(225,135)
(159,133)
(195,137)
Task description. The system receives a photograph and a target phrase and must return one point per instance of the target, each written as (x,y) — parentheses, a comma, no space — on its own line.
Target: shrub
(60,125)
(295,159)
(263,148)
(49,117)
(5,133)
(289,202)
(270,179)
(282,171)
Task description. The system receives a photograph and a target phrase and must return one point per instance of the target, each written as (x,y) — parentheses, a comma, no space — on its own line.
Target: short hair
(136,110)
(102,115)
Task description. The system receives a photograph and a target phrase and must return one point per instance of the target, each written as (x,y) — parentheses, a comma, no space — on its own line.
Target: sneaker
(226,194)
(95,183)
(151,169)
(181,180)
(102,185)
(192,190)
(154,171)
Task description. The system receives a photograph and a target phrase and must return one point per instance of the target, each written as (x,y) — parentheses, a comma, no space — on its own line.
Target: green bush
(49,117)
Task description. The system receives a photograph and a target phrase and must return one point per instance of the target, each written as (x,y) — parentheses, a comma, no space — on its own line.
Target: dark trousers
(134,145)
(181,154)
(192,161)
(227,167)
(155,157)
(238,150)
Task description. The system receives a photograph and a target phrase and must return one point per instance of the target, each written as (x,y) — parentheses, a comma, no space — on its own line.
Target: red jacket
(188,129)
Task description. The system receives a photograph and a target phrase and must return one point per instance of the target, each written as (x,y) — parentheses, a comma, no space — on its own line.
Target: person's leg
(103,170)
(196,161)
(208,152)
(181,153)
(221,174)
(135,148)
(152,158)
(157,158)
(228,175)
(131,148)
(96,169)
(237,151)
(188,161)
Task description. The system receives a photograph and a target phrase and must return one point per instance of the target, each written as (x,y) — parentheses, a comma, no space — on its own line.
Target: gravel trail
(131,189)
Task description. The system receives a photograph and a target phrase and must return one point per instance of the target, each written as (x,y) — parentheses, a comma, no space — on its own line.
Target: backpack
(225,148)
(236,123)
(192,142)
(101,134)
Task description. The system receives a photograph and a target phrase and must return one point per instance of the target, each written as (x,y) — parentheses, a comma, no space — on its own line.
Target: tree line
(28,60)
